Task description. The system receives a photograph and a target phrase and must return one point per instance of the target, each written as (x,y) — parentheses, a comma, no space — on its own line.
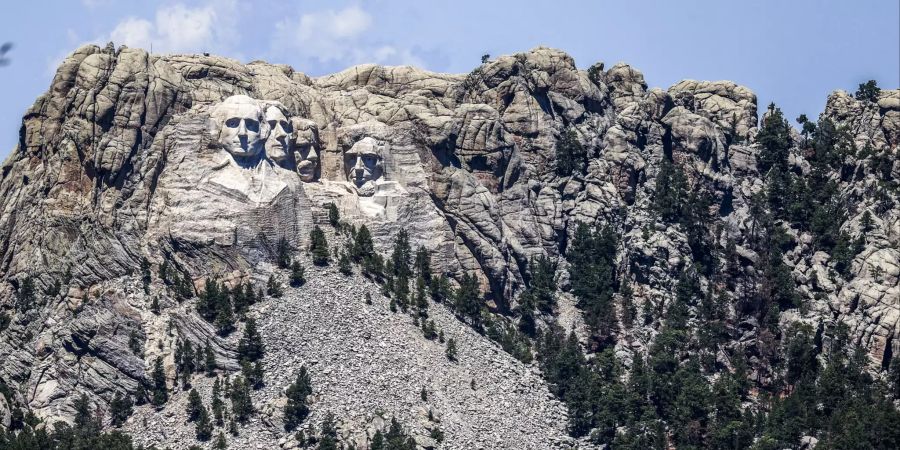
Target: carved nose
(279,132)
(242,129)
(359,166)
(313,154)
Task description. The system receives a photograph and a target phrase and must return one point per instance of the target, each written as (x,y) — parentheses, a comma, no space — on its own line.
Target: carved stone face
(363,161)
(239,122)
(278,145)
(306,152)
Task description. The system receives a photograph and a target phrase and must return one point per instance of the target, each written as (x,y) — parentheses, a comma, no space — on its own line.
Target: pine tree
(120,409)
(344,265)
(250,297)
(670,195)
(363,247)
(774,139)
(868,91)
(183,288)
(85,420)
(239,300)
(209,300)
(140,395)
(250,346)
(224,316)
(221,443)
(592,276)
(298,274)
(296,410)
(467,302)
(283,254)
(334,217)
(146,276)
(328,436)
(319,247)
(209,360)
(253,374)
(397,439)
(154,305)
(185,361)
(134,343)
(160,394)
(428,330)
(451,349)
(164,272)
(423,264)
(377,441)
(440,289)
(571,156)
(194,406)
(273,287)
(421,301)
(203,425)
(218,406)
(241,403)
(542,284)
(400,257)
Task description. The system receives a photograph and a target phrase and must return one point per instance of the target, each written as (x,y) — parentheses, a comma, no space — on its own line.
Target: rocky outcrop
(134,158)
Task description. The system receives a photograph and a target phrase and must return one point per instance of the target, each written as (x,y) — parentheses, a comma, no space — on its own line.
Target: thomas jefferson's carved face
(278,144)
(241,132)
(363,161)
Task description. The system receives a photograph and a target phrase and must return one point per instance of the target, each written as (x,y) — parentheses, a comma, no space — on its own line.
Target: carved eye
(251,125)
(233,122)
(272,124)
(369,160)
(286,126)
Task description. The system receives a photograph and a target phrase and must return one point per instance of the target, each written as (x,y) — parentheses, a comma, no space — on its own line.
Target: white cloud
(185,29)
(389,54)
(337,37)
(344,24)
(178,29)
(133,32)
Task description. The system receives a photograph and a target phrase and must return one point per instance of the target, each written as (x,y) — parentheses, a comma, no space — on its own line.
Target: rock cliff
(204,164)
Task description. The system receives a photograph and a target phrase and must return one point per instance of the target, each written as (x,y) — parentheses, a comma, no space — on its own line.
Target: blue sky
(792,53)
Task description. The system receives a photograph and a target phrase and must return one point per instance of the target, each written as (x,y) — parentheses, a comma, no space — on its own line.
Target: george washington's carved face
(241,130)
(363,161)
(278,145)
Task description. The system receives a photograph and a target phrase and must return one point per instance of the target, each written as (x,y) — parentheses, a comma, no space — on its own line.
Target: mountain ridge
(122,168)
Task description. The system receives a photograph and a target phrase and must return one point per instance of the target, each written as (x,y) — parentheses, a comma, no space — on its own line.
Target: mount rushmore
(132,161)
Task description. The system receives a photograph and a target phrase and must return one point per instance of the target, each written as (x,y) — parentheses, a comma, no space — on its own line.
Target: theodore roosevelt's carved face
(278,144)
(241,130)
(306,151)
(363,161)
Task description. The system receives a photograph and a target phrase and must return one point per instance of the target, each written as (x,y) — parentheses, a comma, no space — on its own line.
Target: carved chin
(307,170)
(366,189)
(275,151)
(241,151)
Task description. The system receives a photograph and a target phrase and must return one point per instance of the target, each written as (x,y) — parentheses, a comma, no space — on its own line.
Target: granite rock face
(118,163)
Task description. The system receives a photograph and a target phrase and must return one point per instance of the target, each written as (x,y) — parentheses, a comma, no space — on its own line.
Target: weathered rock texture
(115,164)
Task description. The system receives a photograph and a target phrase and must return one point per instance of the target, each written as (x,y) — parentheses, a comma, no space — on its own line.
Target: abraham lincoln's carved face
(363,162)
